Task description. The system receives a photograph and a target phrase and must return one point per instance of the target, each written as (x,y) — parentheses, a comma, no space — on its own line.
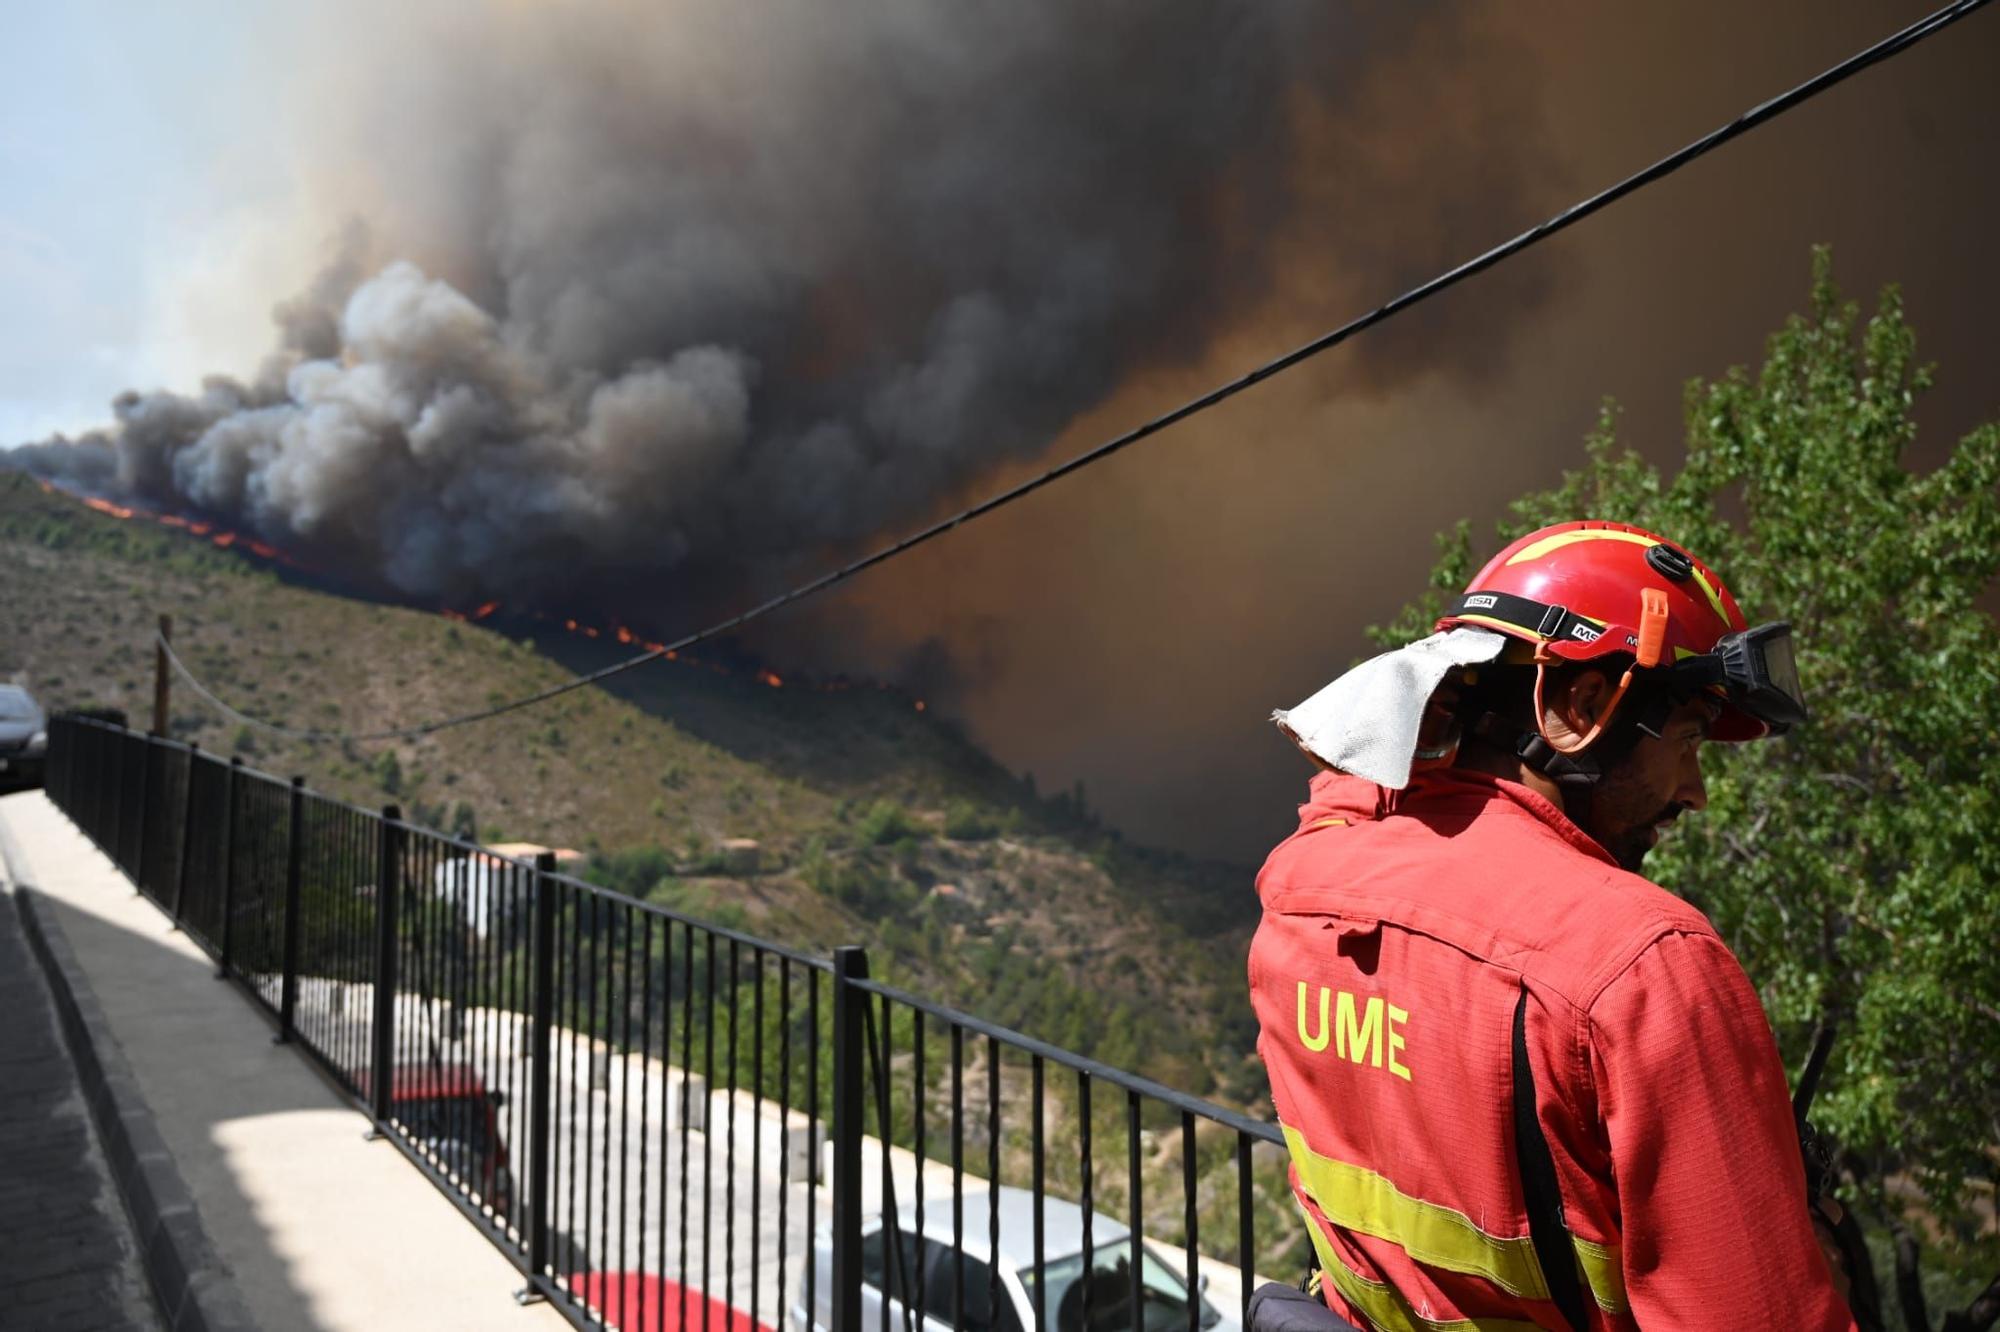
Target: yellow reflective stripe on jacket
(1360,1200)
(1363,1201)
(1603,1272)
(1386,1309)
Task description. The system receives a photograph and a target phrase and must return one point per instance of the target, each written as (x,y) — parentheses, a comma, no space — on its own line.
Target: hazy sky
(145,181)
(169,174)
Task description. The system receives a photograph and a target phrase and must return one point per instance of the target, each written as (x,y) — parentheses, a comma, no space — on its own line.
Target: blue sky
(141,170)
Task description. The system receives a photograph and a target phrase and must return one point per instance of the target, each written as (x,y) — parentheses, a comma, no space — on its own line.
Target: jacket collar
(1339,795)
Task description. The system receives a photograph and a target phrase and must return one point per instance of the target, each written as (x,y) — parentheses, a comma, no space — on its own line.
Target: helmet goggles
(1753,672)
(1755,669)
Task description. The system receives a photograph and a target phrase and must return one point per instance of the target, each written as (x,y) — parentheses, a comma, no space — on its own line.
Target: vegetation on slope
(876,823)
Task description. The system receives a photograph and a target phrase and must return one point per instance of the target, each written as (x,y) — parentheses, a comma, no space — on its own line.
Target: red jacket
(1399,930)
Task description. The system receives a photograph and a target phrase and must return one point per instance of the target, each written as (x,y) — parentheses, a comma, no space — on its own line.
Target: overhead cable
(1707,143)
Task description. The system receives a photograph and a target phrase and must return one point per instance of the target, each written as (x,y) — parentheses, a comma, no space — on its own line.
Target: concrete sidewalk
(319,1228)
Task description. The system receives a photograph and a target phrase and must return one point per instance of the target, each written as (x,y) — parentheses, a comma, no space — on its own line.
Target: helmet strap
(1588,738)
(1575,772)
(1649,646)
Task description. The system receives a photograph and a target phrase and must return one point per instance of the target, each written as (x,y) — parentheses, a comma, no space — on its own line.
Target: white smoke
(716,286)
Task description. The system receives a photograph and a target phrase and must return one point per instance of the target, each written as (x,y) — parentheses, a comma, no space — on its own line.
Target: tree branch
(1981,1314)
(1909,1288)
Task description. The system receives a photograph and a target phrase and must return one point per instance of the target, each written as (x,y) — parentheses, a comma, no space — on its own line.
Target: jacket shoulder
(1487,877)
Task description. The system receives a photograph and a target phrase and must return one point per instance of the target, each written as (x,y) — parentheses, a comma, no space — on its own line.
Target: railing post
(113,801)
(120,832)
(115,825)
(543,999)
(228,865)
(145,811)
(288,985)
(387,892)
(187,831)
(850,1012)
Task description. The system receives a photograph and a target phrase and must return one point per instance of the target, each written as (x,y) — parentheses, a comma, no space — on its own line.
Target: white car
(934,1271)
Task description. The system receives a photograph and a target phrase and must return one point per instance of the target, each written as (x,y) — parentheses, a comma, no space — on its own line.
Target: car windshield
(15,705)
(1163,1295)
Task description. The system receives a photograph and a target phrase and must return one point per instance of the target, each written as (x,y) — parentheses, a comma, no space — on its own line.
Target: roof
(1062,1224)
(529,850)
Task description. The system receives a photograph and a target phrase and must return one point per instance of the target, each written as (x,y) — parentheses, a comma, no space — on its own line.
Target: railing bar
(342,908)
(958,1175)
(1132,1082)
(686,1105)
(892,1241)
(729,1153)
(666,1109)
(1041,1276)
(708,1111)
(917,1134)
(993,1176)
(494,989)
(1189,1167)
(645,1077)
(757,1132)
(785,1119)
(707,927)
(584,1037)
(1246,1227)
(1088,1201)
(1135,1187)
(625,1262)
(806,1258)
(597,1193)
(574,922)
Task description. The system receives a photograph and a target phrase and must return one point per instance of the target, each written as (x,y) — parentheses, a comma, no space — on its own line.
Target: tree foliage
(1854,865)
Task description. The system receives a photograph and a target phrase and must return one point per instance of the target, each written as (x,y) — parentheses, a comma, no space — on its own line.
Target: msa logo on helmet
(1481,602)
(1583,633)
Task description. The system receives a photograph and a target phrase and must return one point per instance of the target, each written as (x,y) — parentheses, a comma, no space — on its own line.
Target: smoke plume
(646,288)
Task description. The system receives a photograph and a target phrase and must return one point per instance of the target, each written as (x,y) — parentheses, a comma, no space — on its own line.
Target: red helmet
(1581,591)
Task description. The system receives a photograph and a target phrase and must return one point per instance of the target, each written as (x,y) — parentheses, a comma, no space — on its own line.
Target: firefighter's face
(1638,798)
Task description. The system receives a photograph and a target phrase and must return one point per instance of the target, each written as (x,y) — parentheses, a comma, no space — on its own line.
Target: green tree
(1854,865)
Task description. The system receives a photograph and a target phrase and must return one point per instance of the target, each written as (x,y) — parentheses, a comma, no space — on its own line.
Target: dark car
(448,1109)
(24,739)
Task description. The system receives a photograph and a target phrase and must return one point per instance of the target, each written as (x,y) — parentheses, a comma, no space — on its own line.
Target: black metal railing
(669,1124)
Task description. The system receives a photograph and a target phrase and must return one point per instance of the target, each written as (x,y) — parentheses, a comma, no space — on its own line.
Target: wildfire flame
(224,539)
(227,540)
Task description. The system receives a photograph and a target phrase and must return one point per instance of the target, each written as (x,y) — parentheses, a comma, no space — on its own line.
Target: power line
(1707,143)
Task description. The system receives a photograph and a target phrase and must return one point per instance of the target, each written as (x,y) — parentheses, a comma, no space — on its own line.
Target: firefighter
(1521,1085)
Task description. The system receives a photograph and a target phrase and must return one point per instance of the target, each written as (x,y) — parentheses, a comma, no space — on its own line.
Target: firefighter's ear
(1572,699)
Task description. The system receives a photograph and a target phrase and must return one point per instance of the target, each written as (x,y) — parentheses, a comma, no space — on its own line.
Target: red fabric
(643,1302)
(1658,1083)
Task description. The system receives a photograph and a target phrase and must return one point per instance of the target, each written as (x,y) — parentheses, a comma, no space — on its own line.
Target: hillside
(878,823)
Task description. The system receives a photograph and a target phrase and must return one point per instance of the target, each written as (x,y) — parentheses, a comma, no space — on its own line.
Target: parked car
(24,739)
(450,1112)
(929,1263)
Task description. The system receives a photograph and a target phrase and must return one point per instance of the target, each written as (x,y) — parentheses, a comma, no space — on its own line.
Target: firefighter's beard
(1625,815)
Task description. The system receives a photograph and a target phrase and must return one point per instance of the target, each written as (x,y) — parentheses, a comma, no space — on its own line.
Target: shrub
(884,822)
(967,822)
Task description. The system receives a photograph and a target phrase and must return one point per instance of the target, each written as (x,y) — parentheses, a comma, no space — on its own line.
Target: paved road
(70,1262)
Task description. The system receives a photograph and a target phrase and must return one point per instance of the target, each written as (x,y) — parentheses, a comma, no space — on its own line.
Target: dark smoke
(719,287)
